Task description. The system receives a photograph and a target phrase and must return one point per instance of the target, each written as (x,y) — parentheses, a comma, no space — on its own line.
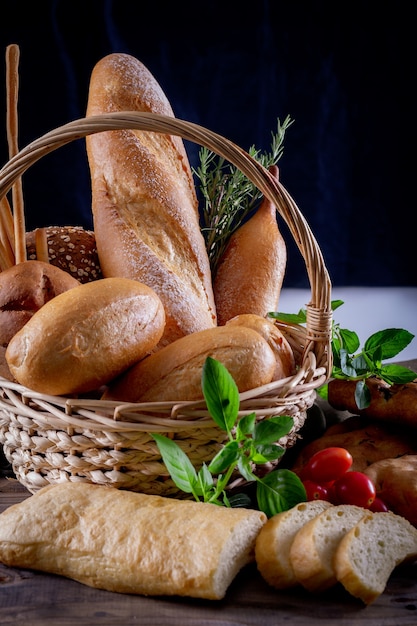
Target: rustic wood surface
(29,598)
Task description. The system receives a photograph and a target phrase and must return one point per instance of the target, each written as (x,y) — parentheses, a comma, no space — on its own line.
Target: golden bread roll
(86,336)
(395,481)
(144,203)
(284,355)
(24,289)
(72,248)
(174,372)
(251,270)
(130,542)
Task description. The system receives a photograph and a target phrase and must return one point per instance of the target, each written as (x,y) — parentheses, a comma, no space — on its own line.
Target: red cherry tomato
(354,488)
(378,506)
(315,491)
(328,465)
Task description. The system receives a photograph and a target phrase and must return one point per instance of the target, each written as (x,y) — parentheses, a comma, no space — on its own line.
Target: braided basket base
(46,448)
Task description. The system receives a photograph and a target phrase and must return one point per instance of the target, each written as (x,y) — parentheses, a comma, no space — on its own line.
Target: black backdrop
(343,71)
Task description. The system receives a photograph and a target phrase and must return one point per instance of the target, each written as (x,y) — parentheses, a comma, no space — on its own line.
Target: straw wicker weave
(53,439)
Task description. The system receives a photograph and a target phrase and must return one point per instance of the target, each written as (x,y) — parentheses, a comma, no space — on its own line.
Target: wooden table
(30,598)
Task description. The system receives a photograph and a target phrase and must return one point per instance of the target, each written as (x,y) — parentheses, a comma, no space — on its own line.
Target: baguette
(174,372)
(314,545)
(251,270)
(144,203)
(130,542)
(86,336)
(272,549)
(369,552)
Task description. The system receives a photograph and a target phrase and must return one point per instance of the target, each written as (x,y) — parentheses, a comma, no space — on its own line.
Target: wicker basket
(50,439)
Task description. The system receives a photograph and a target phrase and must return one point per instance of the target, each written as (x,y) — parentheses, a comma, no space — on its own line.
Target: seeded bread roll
(130,542)
(84,337)
(71,248)
(174,372)
(144,203)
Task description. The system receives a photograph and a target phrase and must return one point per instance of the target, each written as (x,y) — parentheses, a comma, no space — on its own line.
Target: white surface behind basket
(366,310)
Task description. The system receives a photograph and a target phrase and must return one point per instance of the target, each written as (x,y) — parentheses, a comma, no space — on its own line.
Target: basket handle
(319,315)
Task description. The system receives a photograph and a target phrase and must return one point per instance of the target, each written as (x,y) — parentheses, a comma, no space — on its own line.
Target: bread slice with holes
(272,550)
(314,545)
(369,552)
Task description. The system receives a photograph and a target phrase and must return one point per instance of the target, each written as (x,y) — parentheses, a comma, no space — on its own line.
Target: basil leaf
(397,374)
(225,457)
(263,454)
(350,340)
(177,463)
(390,341)
(335,304)
(220,393)
(362,395)
(272,429)
(241,500)
(292,318)
(245,426)
(279,491)
(244,467)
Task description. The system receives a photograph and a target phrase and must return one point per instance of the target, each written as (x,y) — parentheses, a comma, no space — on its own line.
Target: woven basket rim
(314,340)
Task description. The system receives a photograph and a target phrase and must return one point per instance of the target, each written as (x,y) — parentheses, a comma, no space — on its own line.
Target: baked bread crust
(144,202)
(129,542)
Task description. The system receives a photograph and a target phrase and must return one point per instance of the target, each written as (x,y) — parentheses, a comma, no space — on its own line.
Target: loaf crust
(144,202)
(130,542)
(174,372)
(86,336)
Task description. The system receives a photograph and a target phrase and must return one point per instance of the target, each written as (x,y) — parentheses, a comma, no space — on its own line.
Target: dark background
(343,71)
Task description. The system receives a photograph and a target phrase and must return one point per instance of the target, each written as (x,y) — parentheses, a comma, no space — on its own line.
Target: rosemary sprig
(228,197)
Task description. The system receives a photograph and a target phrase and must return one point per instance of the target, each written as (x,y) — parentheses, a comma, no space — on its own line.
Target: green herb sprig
(228,197)
(250,443)
(352,363)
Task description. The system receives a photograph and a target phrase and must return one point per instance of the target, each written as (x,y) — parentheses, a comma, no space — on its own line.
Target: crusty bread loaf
(314,545)
(251,271)
(24,289)
(130,542)
(83,338)
(369,552)
(284,355)
(144,203)
(272,549)
(174,372)
(71,248)
(395,481)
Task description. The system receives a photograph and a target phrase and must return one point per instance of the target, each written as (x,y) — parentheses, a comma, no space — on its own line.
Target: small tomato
(354,488)
(315,491)
(378,506)
(328,465)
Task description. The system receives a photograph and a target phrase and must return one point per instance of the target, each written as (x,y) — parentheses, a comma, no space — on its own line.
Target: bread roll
(174,372)
(129,542)
(144,203)
(71,248)
(251,271)
(86,336)
(24,289)
(284,356)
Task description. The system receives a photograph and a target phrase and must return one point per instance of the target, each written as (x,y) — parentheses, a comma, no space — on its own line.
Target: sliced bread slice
(314,545)
(370,551)
(272,549)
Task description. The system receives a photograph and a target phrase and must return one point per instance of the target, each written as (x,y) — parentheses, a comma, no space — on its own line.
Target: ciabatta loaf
(314,545)
(144,203)
(130,542)
(369,552)
(272,550)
